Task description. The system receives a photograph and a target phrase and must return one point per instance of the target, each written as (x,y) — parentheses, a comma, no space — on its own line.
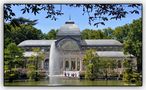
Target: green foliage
(130,75)
(88,73)
(131,36)
(51,34)
(32,66)
(13,55)
(11,74)
(98,67)
(92,34)
(120,33)
(13,58)
(16,22)
(108,33)
(107,66)
(127,74)
(90,61)
(133,42)
(18,31)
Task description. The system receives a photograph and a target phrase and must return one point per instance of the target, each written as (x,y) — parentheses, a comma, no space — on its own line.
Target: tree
(31,67)
(97,13)
(130,75)
(133,42)
(120,33)
(20,31)
(19,21)
(90,61)
(13,59)
(108,32)
(33,64)
(92,34)
(52,34)
(96,66)
(84,34)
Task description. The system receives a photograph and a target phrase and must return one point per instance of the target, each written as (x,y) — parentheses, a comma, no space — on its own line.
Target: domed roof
(69,28)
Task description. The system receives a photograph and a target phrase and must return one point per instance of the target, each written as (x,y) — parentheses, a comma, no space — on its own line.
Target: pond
(69,82)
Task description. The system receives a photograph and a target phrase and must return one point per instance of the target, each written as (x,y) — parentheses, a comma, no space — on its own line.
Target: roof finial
(69,17)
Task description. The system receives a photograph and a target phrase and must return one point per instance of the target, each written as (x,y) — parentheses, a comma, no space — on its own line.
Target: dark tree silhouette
(97,13)
(19,21)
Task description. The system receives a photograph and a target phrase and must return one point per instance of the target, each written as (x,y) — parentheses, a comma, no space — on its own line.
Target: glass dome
(69,28)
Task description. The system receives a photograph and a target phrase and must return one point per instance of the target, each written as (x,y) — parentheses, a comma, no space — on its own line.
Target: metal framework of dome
(69,28)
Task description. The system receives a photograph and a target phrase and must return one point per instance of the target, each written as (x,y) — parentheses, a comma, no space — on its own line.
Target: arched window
(119,64)
(66,64)
(46,64)
(73,65)
(68,44)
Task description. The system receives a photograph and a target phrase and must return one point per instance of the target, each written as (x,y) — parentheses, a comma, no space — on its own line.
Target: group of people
(70,74)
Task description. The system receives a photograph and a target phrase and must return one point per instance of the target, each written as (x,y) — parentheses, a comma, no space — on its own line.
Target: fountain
(54,65)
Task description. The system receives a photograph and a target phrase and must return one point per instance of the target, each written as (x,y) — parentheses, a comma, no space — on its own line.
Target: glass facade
(73,65)
(46,64)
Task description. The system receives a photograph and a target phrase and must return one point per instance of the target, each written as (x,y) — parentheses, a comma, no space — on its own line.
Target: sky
(46,24)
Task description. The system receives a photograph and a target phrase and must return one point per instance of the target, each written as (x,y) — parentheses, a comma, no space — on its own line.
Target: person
(68,74)
(65,74)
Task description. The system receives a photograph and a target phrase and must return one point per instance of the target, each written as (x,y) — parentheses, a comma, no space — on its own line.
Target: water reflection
(58,81)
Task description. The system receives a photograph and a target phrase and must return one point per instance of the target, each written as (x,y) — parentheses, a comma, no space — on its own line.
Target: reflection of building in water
(72,47)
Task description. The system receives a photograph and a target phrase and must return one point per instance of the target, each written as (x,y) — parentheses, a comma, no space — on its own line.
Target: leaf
(102,23)
(27,10)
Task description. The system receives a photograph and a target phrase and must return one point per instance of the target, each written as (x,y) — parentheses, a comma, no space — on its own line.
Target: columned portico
(72,67)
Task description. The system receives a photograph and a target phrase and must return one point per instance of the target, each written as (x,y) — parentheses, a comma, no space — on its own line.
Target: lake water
(68,82)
